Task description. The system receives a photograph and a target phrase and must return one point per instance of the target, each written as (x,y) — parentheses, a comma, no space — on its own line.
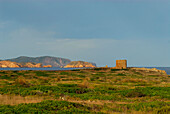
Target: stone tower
(121,64)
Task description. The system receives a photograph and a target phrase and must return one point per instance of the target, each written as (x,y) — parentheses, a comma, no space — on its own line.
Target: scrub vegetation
(95,90)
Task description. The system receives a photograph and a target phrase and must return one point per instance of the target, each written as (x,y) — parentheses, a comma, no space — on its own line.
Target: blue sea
(167,69)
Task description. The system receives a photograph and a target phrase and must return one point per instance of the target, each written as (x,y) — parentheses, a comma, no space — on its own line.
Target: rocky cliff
(9,64)
(79,64)
(44,60)
(32,65)
(47,66)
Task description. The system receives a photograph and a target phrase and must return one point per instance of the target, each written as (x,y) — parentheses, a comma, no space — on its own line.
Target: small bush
(85,84)
(64,73)
(150,106)
(5,77)
(115,69)
(120,74)
(97,68)
(43,79)
(45,107)
(163,110)
(135,93)
(41,73)
(57,79)
(21,81)
(75,70)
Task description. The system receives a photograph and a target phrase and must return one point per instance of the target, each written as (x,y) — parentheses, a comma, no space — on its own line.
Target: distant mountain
(44,60)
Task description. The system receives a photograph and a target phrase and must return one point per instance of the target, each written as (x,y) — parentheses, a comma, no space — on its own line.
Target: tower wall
(121,64)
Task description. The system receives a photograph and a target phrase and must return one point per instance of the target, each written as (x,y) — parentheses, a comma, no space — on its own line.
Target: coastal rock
(9,64)
(44,60)
(150,70)
(47,66)
(32,65)
(79,64)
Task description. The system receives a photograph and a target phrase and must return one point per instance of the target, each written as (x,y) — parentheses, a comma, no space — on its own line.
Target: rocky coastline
(10,64)
(79,64)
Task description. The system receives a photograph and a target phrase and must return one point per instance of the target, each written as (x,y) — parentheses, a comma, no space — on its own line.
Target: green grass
(46,107)
(5,77)
(120,74)
(41,73)
(149,106)
(98,88)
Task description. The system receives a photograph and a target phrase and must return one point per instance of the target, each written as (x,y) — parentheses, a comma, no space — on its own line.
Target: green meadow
(98,90)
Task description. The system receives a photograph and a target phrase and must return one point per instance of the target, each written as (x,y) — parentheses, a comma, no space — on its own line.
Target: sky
(99,31)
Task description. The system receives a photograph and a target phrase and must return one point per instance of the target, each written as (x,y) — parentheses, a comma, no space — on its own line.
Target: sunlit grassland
(84,91)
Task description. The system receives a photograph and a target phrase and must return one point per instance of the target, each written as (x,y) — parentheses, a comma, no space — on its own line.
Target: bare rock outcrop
(9,64)
(150,70)
(32,65)
(47,66)
(79,64)
(44,60)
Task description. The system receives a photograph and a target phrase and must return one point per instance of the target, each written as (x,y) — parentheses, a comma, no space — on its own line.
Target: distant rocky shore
(10,64)
(150,70)
(79,64)
(43,62)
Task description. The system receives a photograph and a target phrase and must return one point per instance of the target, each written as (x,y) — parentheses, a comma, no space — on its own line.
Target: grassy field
(84,91)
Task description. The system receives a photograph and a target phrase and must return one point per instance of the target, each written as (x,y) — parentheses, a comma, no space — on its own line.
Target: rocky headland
(10,64)
(47,66)
(44,60)
(148,70)
(79,64)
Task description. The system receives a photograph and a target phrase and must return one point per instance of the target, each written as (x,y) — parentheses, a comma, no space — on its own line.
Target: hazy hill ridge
(44,60)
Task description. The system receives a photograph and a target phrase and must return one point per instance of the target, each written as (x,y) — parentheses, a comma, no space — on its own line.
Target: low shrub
(149,106)
(5,77)
(135,93)
(43,80)
(64,73)
(46,107)
(21,81)
(41,73)
(115,69)
(120,74)
(75,70)
(57,79)
(163,92)
(85,84)
(163,110)
(98,69)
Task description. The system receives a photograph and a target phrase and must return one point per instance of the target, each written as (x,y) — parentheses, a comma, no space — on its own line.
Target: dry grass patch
(134,80)
(14,100)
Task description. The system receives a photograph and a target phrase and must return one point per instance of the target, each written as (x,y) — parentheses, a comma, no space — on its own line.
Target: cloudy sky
(99,31)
